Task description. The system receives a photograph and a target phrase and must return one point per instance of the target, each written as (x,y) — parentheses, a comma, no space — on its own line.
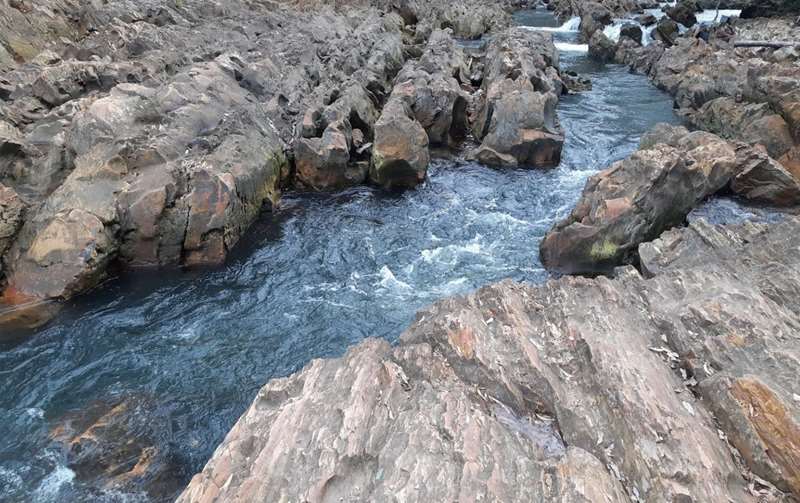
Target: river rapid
(311,279)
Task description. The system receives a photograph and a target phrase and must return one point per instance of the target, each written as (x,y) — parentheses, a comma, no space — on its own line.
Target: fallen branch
(765,43)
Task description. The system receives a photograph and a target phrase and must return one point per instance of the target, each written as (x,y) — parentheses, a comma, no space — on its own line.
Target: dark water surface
(312,279)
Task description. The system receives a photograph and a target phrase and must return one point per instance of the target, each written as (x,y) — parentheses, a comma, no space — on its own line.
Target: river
(312,279)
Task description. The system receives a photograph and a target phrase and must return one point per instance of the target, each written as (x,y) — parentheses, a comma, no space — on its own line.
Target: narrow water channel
(313,278)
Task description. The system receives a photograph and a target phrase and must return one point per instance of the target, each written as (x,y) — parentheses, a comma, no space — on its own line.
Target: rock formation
(153,133)
(678,387)
(638,198)
(516,121)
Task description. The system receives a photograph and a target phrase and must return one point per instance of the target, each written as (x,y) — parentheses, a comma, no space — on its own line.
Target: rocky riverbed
(143,135)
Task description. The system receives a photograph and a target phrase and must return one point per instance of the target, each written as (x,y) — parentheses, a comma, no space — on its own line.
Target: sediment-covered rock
(579,389)
(516,121)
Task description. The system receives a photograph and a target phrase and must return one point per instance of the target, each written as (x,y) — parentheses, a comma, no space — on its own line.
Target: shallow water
(317,276)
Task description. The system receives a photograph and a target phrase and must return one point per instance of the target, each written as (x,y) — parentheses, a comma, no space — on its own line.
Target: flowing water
(314,278)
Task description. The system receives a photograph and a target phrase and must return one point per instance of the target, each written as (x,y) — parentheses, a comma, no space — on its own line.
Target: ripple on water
(319,275)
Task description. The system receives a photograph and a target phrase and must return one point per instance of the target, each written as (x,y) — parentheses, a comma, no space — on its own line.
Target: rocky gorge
(147,135)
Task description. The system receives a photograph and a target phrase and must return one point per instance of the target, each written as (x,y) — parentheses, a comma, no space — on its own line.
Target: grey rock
(516,120)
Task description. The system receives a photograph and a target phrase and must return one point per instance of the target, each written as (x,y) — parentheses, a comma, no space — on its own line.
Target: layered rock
(516,120)
(427,107)
(150,198)
(636,199)
(579,389)
(11,214)
(153,133)
(742,94)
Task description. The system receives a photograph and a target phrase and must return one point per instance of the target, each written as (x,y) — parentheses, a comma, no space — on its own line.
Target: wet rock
(575,83)
(631,31)
(646,19)
(764,180)
(683,12)
(112,445)
(635,200)
(601,47)
(516,121)
(666,31)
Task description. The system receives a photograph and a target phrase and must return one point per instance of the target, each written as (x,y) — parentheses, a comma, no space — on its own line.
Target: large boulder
(594,17)
(324,163)
(764,180)
(400,154)
(181,192)
(635,200)
(516,120)
(683,12)
(601,47)
(632,31)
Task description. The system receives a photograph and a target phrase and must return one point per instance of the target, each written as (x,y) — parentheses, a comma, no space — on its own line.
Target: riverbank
(513,392)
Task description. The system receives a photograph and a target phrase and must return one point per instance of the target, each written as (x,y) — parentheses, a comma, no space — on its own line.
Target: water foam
(570,26)
(50,487)
(567,47)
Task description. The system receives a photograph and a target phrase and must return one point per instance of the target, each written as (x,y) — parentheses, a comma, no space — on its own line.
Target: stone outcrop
(742,94)
(675,388)
(516,121)
(427,107)
(636,199)
(153,133)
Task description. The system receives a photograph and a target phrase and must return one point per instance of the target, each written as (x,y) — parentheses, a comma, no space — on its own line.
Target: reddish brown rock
(637,385)
(636,199)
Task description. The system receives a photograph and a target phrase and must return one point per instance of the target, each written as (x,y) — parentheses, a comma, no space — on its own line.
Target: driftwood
(765,43)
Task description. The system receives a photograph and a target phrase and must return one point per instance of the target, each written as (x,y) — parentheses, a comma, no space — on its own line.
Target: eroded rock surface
(579,389)
(516,120)
(153,133)
(636,199)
